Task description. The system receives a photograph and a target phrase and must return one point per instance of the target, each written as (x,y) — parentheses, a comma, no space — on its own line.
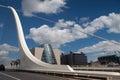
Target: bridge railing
(73,75)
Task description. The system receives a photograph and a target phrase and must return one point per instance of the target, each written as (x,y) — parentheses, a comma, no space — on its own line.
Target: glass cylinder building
(48,55)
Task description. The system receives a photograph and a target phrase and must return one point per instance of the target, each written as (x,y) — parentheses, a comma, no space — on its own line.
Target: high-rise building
(74,58)
(47,54)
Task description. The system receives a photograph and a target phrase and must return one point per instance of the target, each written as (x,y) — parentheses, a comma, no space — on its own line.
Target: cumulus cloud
(101,47)
(5,49)
(115,23)
(67,31)
(111,22)
(60,34)
(42,6)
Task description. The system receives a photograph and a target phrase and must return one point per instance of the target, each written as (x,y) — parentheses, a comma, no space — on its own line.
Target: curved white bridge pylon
(27,60)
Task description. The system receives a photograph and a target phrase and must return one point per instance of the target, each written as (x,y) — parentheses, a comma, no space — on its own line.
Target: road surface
(9,75)
(14,75)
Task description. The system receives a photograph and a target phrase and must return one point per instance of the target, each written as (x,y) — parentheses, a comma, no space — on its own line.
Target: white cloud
(5,49)
(84,19)
(112,22)
(67,31)
(101,47)
(42,6)
(60,34)
(1,25)
(9,48)
(64,24)
(115,23)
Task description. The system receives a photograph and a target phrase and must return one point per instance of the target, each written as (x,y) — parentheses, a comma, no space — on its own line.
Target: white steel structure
(27,60)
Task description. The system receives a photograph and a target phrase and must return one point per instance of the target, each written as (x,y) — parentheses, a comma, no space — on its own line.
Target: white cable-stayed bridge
(31,64)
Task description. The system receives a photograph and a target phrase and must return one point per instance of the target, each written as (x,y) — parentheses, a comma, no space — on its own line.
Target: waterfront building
(47,54)
(74,58)
(105,60)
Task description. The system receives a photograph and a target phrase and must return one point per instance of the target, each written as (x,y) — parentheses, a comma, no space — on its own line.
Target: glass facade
(48,55)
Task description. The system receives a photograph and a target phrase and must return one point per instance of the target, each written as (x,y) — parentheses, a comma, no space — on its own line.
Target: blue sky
(59,23)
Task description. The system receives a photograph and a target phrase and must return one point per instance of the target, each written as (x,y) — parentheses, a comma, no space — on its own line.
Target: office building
(104,60)
(74,58)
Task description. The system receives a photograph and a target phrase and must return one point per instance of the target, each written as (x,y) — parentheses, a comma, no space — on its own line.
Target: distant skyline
(59,23)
